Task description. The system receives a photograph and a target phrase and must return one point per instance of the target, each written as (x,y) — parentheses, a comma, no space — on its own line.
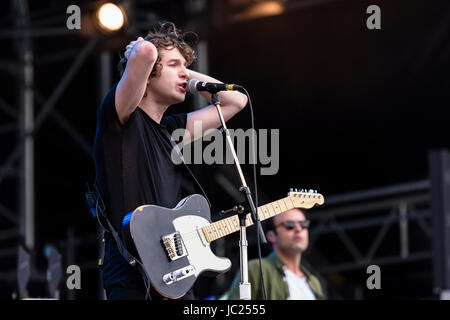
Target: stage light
(111,17)
(262,9)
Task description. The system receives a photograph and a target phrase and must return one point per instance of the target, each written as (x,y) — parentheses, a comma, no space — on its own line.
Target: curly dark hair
(168,36)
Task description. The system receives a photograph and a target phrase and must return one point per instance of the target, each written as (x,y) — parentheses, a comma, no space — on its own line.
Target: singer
(132,151)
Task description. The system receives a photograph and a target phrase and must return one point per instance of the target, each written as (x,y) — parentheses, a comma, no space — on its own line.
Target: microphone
(194,86)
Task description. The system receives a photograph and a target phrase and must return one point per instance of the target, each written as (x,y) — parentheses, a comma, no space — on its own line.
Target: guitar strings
(217,234)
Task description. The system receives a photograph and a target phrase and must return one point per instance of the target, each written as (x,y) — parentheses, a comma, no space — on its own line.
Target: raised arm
(231,102)
(141,56)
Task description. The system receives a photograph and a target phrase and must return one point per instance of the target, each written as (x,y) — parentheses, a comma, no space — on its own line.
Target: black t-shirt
(133,168)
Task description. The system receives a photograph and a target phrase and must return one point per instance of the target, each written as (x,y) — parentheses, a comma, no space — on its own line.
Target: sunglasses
(289,224)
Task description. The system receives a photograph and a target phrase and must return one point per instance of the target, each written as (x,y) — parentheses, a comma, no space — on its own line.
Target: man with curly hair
(132,151)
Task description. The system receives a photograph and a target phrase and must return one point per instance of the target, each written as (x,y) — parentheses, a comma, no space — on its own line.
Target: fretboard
(229,225)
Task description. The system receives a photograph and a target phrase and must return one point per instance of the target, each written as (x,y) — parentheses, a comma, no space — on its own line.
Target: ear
(271,236)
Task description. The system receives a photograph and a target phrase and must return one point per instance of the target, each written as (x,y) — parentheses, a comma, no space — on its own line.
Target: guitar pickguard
(199,253)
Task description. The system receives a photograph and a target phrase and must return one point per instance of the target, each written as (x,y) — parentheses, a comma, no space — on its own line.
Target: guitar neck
(229,225)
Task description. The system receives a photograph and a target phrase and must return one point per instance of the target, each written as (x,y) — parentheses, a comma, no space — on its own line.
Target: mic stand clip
(236,209)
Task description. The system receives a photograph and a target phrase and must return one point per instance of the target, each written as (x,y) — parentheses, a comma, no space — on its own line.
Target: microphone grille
(192,86)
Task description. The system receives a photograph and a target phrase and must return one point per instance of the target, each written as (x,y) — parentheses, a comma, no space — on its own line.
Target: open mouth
(183,86)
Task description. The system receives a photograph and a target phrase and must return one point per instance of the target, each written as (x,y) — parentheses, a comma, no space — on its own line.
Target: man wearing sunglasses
(285,276)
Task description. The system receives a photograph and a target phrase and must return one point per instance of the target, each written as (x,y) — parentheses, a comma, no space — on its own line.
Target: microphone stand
(244,285)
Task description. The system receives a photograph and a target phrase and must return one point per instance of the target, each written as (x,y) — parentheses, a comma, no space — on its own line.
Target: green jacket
(274,279)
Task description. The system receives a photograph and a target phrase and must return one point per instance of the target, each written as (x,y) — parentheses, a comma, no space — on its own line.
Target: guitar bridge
(174,246)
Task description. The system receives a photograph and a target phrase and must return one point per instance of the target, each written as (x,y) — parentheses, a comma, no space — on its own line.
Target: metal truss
(400,224)
(382,209)
(17,223)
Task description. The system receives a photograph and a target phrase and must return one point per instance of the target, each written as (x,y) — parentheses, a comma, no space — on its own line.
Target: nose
(298,227)
(183,73)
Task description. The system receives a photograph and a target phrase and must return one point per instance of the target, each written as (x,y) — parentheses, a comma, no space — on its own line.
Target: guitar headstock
(305,199)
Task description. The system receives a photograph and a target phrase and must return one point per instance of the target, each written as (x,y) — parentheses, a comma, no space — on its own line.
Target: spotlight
(110,17)
(253,9)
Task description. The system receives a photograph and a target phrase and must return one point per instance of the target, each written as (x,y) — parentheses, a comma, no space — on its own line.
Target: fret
(220,229)
(235,220)
(268,213)
(276,207)
(207,233)
(288,205)
(230,224)
(261,217)
(217,229)
(214,231)
(262,214)
(293,204)
(271,210)
(262,211)
(282,205)
(224,227)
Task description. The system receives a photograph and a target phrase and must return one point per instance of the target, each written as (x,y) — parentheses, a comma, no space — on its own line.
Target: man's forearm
(227,98)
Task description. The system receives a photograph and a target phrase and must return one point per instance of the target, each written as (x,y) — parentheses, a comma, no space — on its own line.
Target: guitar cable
(90,196)
(146,280)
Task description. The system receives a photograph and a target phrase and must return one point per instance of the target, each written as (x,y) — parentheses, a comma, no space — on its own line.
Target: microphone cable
(256,192)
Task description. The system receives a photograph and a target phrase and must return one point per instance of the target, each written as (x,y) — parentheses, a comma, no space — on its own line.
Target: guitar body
(171,245)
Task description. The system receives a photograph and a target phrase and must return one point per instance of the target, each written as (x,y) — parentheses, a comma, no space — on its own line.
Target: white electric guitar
(174,244)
